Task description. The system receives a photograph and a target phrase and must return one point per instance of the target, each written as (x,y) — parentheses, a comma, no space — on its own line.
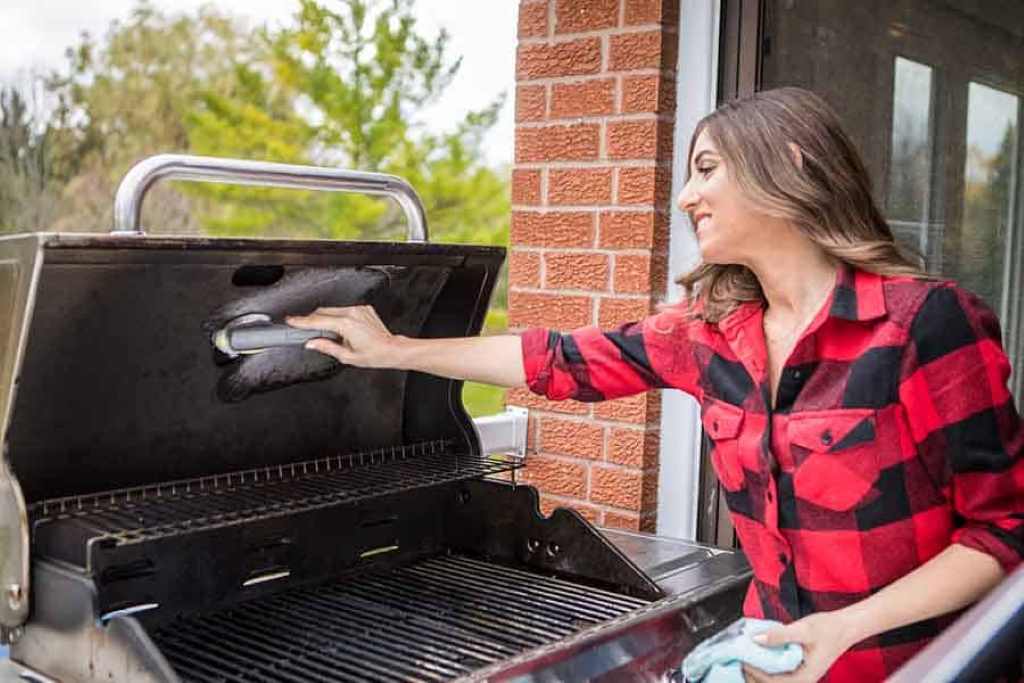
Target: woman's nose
(687,199)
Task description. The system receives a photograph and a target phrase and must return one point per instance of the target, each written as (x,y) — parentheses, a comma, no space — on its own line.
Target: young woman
(870,451)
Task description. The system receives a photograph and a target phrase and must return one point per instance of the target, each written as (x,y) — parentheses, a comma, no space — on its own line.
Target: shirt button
(826,437)
(797,374)
(714,426)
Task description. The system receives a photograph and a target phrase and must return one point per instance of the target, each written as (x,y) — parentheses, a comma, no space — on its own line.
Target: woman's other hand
(365,341)
(824,637)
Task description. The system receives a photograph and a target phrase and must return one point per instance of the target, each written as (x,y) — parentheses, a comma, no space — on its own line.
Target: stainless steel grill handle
(142,176)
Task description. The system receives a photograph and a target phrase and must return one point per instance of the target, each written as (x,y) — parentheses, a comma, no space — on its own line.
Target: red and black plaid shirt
(893,436)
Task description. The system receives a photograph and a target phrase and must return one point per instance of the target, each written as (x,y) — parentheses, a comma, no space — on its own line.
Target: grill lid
(119,385)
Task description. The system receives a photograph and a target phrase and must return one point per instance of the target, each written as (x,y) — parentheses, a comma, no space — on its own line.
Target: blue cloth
(720,658)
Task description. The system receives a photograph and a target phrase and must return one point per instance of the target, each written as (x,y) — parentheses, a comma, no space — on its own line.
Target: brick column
(590,196)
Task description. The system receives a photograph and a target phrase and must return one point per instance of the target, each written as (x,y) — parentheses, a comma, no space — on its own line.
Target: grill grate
(145,513)
(430,621)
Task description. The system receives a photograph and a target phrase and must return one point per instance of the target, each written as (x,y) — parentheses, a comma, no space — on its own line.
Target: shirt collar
(856,295)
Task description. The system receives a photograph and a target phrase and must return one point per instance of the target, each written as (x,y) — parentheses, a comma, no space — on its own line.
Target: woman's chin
(708,253)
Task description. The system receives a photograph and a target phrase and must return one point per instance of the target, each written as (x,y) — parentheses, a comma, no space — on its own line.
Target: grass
(484,399)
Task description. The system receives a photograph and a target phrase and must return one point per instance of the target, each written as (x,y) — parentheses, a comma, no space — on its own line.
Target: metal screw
(14,595)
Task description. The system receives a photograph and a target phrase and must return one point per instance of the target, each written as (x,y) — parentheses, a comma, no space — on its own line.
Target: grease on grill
(296,292)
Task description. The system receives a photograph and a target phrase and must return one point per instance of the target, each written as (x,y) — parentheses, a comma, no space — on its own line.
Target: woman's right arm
(366,342)
(587,364)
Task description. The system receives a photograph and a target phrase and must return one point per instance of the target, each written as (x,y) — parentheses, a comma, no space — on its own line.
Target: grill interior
(433,620)
(147,513)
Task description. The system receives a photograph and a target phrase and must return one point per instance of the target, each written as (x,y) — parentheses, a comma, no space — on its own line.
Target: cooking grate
(144,513)
(434,620)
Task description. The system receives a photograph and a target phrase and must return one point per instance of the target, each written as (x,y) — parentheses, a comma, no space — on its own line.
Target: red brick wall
(590,197)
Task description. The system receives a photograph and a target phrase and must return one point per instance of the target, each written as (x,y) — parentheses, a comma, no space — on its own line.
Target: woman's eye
(705,170)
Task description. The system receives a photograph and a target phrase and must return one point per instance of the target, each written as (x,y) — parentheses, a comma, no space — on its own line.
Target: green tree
(128,95)
(986,218)
(344,86)
(29,165)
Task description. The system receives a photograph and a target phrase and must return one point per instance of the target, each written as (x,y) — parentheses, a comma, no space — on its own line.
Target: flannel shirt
(893,436)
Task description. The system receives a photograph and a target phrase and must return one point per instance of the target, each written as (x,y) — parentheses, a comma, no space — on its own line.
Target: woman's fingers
(780,635)
(365,340)
(753,675)
(318,321)
(329,348)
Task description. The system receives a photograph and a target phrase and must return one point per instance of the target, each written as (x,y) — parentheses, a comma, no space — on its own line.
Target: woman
(869,449)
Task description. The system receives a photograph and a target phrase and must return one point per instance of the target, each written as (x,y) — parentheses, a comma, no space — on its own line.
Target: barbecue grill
(170,513)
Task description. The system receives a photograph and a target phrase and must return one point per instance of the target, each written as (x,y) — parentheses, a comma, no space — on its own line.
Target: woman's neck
(795,279)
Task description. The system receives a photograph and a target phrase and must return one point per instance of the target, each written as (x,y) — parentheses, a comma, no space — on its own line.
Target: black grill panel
(433,620)
(148,513)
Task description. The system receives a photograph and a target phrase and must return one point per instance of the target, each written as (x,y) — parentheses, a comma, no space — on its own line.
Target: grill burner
(434,620)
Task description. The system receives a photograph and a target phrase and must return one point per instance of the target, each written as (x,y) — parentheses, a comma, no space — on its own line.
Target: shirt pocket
(722,423)
(838,466)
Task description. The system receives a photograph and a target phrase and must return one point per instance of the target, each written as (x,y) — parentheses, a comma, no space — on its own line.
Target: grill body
(173,515)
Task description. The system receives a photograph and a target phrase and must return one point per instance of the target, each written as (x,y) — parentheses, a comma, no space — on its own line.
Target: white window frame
(696,96)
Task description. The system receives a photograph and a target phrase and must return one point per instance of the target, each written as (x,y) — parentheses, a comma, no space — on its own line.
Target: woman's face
(724,221)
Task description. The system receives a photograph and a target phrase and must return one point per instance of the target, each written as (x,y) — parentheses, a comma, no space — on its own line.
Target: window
(931,92)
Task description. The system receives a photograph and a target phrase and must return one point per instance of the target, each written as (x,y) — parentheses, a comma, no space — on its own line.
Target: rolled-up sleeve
(963,419)
(590,364)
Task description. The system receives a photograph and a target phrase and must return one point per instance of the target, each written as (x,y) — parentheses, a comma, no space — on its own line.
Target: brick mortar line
(627,162)
(581,251)
(629,117)
(569,121)
(580,208)
(554,37)
(583,79)
(591,164)
(596,76)
(620,296)
(546,210)
(601,422)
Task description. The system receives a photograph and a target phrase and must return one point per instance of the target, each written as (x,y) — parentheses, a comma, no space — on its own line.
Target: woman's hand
(824,636)
(365,341)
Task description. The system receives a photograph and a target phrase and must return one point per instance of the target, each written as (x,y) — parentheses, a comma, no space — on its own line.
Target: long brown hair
(828,196)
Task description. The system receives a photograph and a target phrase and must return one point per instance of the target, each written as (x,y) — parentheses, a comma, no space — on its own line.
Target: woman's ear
(796,154)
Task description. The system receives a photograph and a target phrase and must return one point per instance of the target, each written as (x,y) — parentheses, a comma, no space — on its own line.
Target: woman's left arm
(966,428)
(953,579)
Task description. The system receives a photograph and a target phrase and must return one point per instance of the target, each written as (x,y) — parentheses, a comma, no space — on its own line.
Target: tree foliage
(345,85)
(30,168)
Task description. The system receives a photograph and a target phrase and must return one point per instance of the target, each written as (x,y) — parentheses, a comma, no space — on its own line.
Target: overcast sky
(35,33)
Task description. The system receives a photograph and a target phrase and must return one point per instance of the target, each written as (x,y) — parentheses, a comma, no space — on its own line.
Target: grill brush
(256,332)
